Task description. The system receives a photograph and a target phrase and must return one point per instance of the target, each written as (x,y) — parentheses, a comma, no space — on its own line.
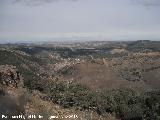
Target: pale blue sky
(22,20)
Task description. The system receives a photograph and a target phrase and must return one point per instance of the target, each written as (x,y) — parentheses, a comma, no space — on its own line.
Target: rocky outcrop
(9,75)
(12,94)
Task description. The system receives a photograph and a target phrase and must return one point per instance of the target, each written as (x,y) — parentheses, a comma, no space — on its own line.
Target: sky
(79,20)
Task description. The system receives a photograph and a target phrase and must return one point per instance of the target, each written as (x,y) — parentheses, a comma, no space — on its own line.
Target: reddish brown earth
(136,70)
(98,76)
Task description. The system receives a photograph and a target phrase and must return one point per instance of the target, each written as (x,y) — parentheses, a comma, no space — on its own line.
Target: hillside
(93,80)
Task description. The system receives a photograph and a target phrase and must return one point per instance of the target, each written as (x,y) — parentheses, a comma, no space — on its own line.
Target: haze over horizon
(79,20)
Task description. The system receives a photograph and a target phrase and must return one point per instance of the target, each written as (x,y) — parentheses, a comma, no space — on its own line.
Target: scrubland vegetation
(98,79)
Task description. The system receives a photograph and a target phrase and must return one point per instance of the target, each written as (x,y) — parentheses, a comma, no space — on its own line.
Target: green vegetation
(66,70)
(124,103)
(127,104)
(142,45)
(18,60)
(69,53)
(71,95)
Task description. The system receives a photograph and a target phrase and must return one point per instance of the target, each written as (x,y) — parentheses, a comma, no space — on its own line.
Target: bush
(127,104)
(69,95)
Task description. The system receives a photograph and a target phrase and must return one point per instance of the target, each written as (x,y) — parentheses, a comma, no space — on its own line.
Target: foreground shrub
(126,104)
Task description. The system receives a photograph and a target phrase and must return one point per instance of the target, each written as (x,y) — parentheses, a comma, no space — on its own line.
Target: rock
(9,75)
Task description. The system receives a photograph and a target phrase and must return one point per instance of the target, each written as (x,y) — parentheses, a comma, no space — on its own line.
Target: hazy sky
(22,20)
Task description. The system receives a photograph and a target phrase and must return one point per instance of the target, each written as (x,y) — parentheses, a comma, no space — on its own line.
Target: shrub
(69,95)
(127,104)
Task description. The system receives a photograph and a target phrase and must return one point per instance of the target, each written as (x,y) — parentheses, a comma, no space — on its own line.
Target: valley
(93,80)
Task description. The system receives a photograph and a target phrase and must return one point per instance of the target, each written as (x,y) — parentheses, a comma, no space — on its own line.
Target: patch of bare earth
(138,70)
